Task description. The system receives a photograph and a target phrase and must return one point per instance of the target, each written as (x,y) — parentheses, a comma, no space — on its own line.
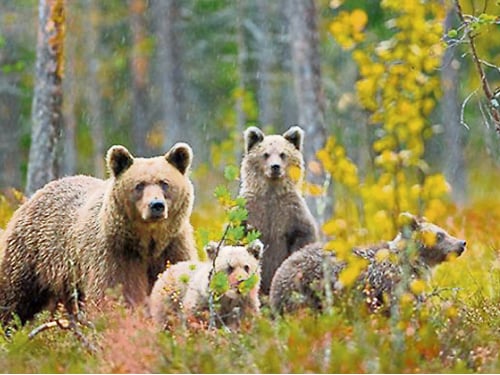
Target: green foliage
(252,235)
(247,285)
(231,172)
(219,283)
(235,215)
(453,324)
(452,327)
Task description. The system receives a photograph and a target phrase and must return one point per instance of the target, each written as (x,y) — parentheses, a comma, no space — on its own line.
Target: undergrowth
(457,329)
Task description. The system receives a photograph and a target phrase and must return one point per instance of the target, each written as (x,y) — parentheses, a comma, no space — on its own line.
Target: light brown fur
(275,204)
(80,235)
(302,279)
(184,287)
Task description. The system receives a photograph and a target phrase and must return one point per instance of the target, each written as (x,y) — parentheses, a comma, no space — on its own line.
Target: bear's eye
(140,187)
(266,155)
(164,186)
(439,236)
(283,156)
(247,268)
(230,269)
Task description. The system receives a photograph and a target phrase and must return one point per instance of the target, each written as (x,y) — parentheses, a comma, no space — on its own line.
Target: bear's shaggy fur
(305,277)
(78,236)
(184,287)
(271,177)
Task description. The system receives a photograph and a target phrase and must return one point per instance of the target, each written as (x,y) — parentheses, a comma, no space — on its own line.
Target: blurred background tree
(148,73)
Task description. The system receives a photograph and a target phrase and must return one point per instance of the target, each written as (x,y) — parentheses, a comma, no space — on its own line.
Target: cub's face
(152,189)
(240,264)
(274,156)
(437,245)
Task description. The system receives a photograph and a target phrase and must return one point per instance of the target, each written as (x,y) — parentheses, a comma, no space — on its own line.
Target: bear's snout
(157,208)
(275,168)
(275,171)
(461,247)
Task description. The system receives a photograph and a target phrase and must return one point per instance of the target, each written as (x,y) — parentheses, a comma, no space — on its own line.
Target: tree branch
(492,100)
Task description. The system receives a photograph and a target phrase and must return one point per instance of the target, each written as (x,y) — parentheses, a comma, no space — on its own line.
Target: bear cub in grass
(304,277)
(272,170)
(184,287)
(80,235)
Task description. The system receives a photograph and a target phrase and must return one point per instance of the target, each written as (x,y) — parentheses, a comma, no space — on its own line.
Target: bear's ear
(211,249)
(295,135)
(180,156)
(252,136)
(408,222)
(255,248)
(118,160)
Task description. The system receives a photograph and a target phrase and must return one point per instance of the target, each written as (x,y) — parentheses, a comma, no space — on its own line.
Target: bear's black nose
(461,247)
(275,168)
(157,207)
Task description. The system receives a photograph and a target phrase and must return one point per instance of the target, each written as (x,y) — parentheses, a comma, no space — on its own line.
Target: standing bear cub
(304,278)
(185,286)
(80,235)
(272,171)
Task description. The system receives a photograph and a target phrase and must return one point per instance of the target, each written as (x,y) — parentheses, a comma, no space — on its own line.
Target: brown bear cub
(78,236)
(305,278)
(271,177)
(184,287)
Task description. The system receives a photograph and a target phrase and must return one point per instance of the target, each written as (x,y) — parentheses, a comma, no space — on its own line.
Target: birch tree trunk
(242,56)
(140,77)
(69,161)
(167,14)
(93,90)
(265,61)
(43,163)
(307,83)
(454,168)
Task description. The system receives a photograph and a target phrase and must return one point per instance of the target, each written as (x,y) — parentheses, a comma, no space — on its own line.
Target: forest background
(397,118)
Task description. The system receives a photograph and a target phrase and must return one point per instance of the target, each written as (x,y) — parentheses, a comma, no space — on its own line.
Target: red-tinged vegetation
(450,323)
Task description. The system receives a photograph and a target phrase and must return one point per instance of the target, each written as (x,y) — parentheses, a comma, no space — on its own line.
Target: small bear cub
(303,279)
(272,172)
(185,287)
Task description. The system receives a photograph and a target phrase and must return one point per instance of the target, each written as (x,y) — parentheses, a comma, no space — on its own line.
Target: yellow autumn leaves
(398,86)
(348,27)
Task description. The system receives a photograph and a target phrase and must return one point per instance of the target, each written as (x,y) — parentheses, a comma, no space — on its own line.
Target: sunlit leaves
(295,173)
(347,28)
(398,86)
(234,235)
(219,283)
(337,164)
(231,172)
(252,236)
(247,285)
(350,273)
(236,213)
(417,286)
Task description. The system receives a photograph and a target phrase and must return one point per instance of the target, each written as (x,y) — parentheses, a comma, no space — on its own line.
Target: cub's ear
(256,249)
(118,160)
(180,156)
(252,136)
(408,222)
(211,249)
(295,135)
